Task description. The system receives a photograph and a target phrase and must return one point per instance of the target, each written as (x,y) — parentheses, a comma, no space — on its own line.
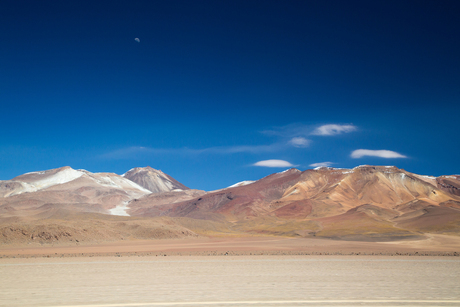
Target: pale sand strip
(309,302)
(230,281)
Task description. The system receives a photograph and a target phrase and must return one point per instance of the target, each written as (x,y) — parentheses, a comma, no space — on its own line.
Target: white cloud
(333,129)
(301,130)
(273,163)
(320,164)
(299,142)
(137,40)
(359,153)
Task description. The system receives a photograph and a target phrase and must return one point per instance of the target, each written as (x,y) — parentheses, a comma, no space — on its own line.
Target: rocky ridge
(370,203)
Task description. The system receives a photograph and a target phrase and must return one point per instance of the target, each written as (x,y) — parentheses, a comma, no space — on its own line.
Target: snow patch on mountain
(120,210)
(242,183)
(39,173)
(452,177)
(285,171)
(118,182)
(61,177)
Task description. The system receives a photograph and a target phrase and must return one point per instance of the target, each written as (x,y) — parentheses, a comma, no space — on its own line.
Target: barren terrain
(367,203)
(231,281)
(440,245)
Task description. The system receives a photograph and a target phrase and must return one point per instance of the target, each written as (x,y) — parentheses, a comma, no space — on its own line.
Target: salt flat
(230,281)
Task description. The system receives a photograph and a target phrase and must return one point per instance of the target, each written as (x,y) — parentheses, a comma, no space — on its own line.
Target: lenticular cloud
(321,164)
(299,142)
(388,154)
(273,163)
(333,129)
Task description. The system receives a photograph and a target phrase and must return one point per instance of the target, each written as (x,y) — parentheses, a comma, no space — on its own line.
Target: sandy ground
(248,271)
(231,281)
(434,245)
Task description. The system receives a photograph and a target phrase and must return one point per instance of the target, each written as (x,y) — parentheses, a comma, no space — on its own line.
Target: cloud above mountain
(302,130)
(383,153)
(274,163)
(287,139)
(321,164)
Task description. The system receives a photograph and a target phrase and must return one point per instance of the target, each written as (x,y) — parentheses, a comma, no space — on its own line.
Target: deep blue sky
(214,87)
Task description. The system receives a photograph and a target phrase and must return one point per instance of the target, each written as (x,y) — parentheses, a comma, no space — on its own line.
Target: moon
(137,40)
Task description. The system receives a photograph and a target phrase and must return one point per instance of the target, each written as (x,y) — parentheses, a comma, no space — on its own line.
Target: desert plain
(240,271)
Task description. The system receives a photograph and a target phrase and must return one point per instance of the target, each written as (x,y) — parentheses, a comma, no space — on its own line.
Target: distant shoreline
(233,253)
(438,245)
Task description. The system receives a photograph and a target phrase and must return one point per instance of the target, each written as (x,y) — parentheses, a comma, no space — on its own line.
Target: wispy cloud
(289,131)
(243,148)
(388,154)
(132,152)
(299,141)
(139,151)
(274,163)
(303,131)
(287,137)
(333,129)
(321,164)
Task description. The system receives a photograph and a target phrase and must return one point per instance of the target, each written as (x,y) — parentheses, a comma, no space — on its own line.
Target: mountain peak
(142,169)
(153,180)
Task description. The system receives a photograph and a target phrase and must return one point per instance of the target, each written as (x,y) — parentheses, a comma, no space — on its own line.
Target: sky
(217,92)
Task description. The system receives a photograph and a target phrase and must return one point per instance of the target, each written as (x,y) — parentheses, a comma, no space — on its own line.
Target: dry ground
(231,281)
(256,245)
(239,271)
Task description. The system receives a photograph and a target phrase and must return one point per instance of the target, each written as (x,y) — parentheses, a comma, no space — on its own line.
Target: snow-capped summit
(35,181)
(61,178)
(241,183)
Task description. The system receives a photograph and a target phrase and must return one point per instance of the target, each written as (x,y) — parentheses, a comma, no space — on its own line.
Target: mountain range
(366,203)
